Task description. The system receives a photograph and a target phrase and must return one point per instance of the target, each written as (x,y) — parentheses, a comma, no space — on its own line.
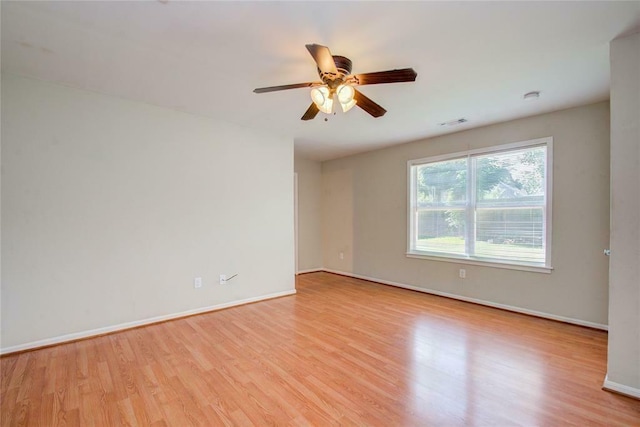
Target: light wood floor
(340,352)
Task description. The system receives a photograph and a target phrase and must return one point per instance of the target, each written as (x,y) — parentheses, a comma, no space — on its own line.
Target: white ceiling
(474,59)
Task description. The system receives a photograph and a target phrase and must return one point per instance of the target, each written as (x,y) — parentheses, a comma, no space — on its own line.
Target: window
(489,206)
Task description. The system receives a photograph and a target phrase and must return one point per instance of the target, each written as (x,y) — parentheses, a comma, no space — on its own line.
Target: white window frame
(464,259)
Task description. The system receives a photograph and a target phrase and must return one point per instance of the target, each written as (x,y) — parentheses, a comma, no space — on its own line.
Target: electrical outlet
(223,279)
(463,273)
(341,255)
(197,282)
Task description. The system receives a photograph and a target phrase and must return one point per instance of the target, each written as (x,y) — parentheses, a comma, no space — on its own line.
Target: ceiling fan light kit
(338,82)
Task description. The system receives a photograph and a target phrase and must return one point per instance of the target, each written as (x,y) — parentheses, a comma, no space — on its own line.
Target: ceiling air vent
(453,122)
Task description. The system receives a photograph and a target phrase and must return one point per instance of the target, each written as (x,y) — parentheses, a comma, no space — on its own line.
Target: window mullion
(470,226)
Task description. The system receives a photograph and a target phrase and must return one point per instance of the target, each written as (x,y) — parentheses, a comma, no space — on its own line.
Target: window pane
(514,178)
(489,205)
(441,231)
(510,234)
(442,184)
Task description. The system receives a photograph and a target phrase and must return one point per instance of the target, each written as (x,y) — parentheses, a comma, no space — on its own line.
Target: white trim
(310,270)
(295,217)
(548,220)
(477,301)
(493,149)
(461,260)
(128,325)
(620,388)
(411,201)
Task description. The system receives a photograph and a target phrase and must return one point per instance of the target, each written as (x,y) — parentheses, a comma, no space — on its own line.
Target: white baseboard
(621,388)
(128,325)
(476,301)
(311,270)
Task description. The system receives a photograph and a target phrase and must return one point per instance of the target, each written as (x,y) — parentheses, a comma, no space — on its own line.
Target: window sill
(493,264)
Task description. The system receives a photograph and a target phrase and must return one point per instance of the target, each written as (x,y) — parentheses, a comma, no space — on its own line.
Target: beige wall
(624,276)
(110,208)
(309,213)
(365,217)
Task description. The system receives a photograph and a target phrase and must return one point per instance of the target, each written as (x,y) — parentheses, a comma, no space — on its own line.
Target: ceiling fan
(337,80)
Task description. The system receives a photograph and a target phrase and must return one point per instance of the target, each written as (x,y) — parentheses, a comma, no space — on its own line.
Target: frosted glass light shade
(327,107)
(345,97)
(345,93)
(321,96)
(348,106)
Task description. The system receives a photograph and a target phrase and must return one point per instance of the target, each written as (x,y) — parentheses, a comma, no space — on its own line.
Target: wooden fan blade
(311,112)
(391,76)
(285,87)
(368,105)
(323,58)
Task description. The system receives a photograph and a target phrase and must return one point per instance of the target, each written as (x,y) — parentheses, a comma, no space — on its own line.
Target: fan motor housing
(343,64)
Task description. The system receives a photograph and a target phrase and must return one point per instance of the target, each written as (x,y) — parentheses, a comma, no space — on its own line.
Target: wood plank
(342,351)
